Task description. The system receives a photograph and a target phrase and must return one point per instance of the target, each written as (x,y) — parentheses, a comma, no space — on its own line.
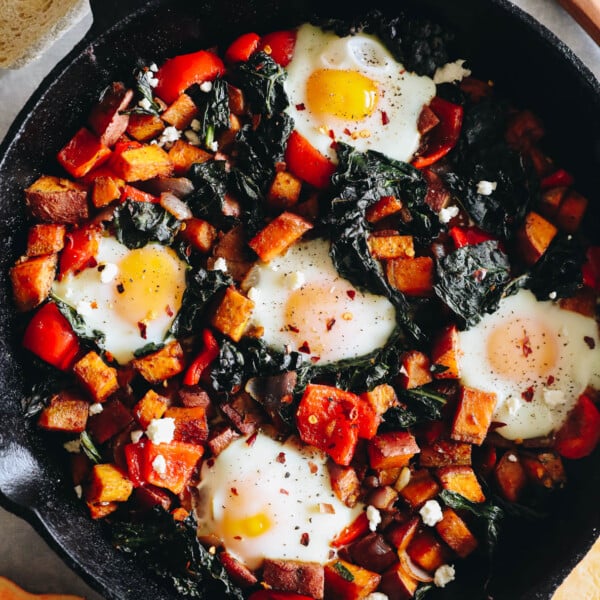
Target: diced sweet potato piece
(391,449)
(150,406)
(344,482)
(191,425)
(534,237)
(279,235)
(45,238)
(545,469)
(108,484)
(66,412)
(144,128)
(388,476)
(345,581)
(161,365)
(244,413)
(401,534)
(415,370)
(107,119)
(56,200)
(391,246)
(184,155)
(284,191)
(510,476)
(420,488)
(473,415)
(524,129)
(237,103)
(227,137)
(106,190)
(398,584)
(462,480)
(551,200)
(83,153)
(199,233)
(453,530)
(381,398)
(96,376)
(181,113)
(445,352)
(412,276)
(193,396)
(220,438)
(582,302)
(99,510)
(140,164)
(306,578)
(443,453)
(437,196)
(32,280)
(571,211)
(427,120)
(113,419)
(233,248)
(427,551)
(233,313)
(386,206)
(240,574)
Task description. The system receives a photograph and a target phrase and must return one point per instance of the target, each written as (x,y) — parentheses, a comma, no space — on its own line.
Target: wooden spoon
(587,14)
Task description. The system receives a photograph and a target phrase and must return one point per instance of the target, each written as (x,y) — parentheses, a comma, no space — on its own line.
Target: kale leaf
(79,325)
(421,405)
(139,223)
(471,280)
(146,91)
(210,185)
(251,198)
(172,550)
(227,372)
(213,110)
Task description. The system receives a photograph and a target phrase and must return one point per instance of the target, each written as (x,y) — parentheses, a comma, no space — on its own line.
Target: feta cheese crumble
(431,513)
(374,517)
(451,72)
(95,409)
(159,465)
(136,436)
(161,431)
(74,446)
(376,596)
(444,575)
(553,397)
(485,188)
(206,86)
(169,135)
(447,214)
(220,265)
(78,491)
(513,404)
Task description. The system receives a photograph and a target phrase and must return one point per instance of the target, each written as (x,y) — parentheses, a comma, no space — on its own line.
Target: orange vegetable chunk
(279,235)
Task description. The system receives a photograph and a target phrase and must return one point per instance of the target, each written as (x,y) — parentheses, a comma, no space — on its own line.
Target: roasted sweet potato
(401,534)
(279,235)
(96,376)
(398,584)
(391,449)
(346,581)
(306,578)
(534,237)
(381,398)
(199,233)
(237,103)
(99,510)
(427,551)
(32,280)
(45,238)
(144,128)
(161,365)
(107,119)
(551,200)
(453,530)
(140,164)
(106,189)
(284,191)
(67,412)
(461,479)
(344,482)
(181,112)
(445,353)
(232,315)
(412,276)
(510,476)
(386,206)
(184,155)
(415,369)
(191,425)
(83,153)
(473,415)
(56,200)
(420,488)
(545,469)
(443,453)
(571,211)
(108,484)
(150,406)
(384,247)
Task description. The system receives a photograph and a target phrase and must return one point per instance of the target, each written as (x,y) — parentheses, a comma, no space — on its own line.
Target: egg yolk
(522,347)
(348,95)
(151,282)
(252,526)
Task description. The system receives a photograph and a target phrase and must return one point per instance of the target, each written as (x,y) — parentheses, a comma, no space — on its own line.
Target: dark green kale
(210,186)
(146,91)
(228,369)
(77,322)
(148,348)
(422,591)
(201,287)
(213,110)
(171,549)
(420,405)
(251,199)
(472,279)
(261,79)
(49,381)
(139,223)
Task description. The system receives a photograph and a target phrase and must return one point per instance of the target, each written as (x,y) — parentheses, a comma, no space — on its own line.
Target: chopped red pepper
(280,45)
(134,456)
(209,352)
(468,236)
(50,336)
(242,48)
(178,73)
(556,179)
(352,532)
(81,247)
(307,163)
(83,153)
(581,432)
(444,135)
(132,193)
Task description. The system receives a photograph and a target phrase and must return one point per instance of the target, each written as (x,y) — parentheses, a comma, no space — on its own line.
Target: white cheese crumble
(74,446)
(214,146)
(513,404)
(552,295)
(374,517)
(485,188)
(447,214)
(192,137)
(451,72)
(159,465)
(136,435)
(170,134)
(512,458)
(152,81)
(206,86)
(95,409)
(431,513)
(109,272)
(161,431)
(376,596)
(444,575)
(296,280)
(220,265)
(553,397)
(78,491)
(153,67)
(145,104)
(196,125)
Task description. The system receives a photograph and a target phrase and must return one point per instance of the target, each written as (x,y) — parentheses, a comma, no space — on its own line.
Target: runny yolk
(522,348)
(252,526)
(348,95)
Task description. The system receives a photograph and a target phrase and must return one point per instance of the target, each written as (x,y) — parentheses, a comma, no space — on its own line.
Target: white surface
(20,546)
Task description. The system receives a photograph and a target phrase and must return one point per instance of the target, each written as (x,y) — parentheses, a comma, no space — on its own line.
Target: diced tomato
(132,193)
(273,595)
(581,432)
(469,236)
(178,73)
(83,153)
(591,268)
(134,456)
(556,179)
(242,48)
(444,135)
(81,248)
(209,352)
(356,529)
(307,163)
(280,45)
(180,460)
(50,336)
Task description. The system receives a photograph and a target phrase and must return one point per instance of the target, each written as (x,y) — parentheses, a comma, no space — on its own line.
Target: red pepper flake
(384,118)
(305,348)
(313,468)
(526,346)
(332,134)
(101,268)
(496,425)
(330,323)
(315,359)
(591,343)
(237,537)
(234,491)
(527,395)
(347,131)
(250,441)
(550,380)
(351,294)
(284,492)
(326,509)
(120,288)
(334,145)
(92,262)
(143,327)
(169,311)
(300,106)
(210,463)
(292,328)
(305,539)
(281,458)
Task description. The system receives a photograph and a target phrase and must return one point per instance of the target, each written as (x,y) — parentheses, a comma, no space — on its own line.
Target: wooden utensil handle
(587,14)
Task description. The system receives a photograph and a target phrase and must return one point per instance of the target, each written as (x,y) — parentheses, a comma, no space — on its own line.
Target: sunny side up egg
(131,296)
(536,357)
(263,499)
(352,90)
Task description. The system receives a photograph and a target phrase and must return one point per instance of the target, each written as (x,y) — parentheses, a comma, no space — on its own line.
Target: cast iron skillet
(527,62)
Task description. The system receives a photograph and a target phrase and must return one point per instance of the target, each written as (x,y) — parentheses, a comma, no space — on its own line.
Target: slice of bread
(29,27)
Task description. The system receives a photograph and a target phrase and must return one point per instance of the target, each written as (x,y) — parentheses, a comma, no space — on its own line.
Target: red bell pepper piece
(468,236)
(556,179)
(132,193)
(79,253)
(307,163)
(273,595)
(242,48)
(356,529)
(134,456)
(178,73)
(83,153)
(591,268)
(444,135)
(50,336)
(209,352)
(580,433)
(180,461)
(280,45)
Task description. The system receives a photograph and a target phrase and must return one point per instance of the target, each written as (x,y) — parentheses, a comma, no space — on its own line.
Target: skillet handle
(109,12)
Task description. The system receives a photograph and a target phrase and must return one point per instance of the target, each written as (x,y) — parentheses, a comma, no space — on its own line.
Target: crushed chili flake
(250,441)
(284,492)
(237,537)
(527,395)
(591,343)
(120,288)
(496,425)
(334,145)
(526,346)
(347,131)
(292,328)
(313,468)
(550,380)
(384,118)
(169,311)
(315,359)
(331,134)
(281,458)
(101,268)
(330,323)
(234,491)
(326,509)
(305,539)
(300,106)
(351,294)
(143,327)
(305,348)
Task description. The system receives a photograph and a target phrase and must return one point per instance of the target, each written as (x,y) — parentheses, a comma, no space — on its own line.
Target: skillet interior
(527,63)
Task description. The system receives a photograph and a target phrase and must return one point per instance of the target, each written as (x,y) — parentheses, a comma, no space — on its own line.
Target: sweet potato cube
(384,207)
(32,280)
(56,200)
(453,530)
(391,449)
(344,482)
(427,551)
(415,370)
(551,200)
(545,469)
(511,477)
(412,276)
(181,113)
(462,480)
(83,153)
(106,118)
(305,578)
(443,453)
(191,425)
(240,574)
(279,235)
(140,164)
(161,365)
(200,234)
(108,484)
(96,376)
(45,238)
(420,488)
(398,584)
(284,191)
(381,398)
(384,247)
(388,476)
(144,128)
(233,313)
(571,211)
(99,510)
(445,353)
(345,581)
(113,419)
(473,415)
(227,137)
(220,437)
(66,412)
(184,155)
(401,534)
(534,237)
(106,190)
(150,406)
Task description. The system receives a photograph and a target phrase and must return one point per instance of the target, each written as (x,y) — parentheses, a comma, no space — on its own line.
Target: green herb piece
(89,448)
(79,325)
(213,110)
(149,348)
(146,91)
(343,571)
(422,591)
(421,405)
